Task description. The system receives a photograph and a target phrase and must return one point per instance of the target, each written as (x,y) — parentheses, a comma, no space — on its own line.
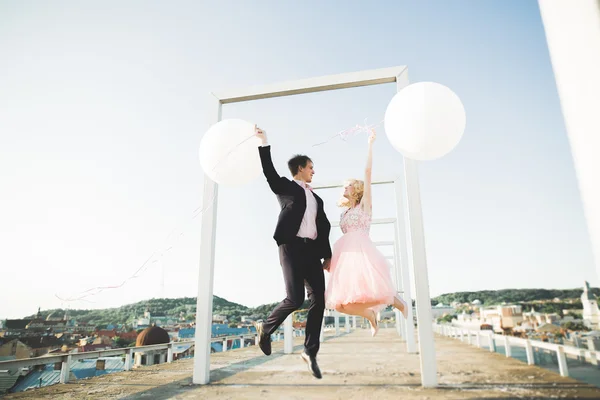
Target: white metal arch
(415,234)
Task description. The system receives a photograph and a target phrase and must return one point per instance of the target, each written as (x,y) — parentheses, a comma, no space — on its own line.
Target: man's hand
(326,264)
(262,135)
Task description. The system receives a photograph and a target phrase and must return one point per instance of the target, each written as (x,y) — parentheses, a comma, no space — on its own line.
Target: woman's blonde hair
(356,195)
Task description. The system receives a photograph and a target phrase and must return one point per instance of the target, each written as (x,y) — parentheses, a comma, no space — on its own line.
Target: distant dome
(152,335)
(477,302)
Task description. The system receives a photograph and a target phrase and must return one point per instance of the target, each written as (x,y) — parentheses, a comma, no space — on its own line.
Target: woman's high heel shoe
(375,329)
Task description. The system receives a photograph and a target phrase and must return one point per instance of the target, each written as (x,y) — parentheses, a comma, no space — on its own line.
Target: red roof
(93,347)
(128,335)
(110,334)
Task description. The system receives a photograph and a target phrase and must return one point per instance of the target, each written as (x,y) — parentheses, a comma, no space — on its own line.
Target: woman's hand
(372,136)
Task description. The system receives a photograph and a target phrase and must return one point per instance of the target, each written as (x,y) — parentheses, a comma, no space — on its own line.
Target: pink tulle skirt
(359,273)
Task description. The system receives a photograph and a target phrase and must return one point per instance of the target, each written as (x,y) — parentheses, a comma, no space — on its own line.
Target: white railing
(66,359)
(468,335)
(128,352)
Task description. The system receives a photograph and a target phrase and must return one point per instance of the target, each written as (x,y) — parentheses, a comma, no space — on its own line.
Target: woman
(360,282)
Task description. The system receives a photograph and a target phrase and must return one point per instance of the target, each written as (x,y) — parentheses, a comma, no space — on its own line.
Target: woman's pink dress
(359,273)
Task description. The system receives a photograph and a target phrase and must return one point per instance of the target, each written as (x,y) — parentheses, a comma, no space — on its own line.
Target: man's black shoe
(313,367)
(264,340)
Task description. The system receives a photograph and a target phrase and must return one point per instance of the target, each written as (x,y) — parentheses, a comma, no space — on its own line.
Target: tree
(575,326)
(120,342)
(446,318)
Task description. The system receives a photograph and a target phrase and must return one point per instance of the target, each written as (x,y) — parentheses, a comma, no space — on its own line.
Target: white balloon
(425,121)
(229,152)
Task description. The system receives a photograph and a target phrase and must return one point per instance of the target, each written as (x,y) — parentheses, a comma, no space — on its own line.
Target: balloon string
(231,151)
(144,267)
(346,133)
(343,135)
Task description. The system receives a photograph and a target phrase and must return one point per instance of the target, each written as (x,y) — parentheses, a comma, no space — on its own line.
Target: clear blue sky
(103,106)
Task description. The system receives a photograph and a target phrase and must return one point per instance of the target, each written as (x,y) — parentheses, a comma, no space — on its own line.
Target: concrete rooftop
(354,366)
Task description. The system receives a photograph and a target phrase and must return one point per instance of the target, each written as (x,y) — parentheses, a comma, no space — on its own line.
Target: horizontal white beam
(311,85)
(383,221)
(376,221)
(384,243)
(333,185)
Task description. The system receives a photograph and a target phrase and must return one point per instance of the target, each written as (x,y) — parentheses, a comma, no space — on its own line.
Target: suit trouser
(301,267)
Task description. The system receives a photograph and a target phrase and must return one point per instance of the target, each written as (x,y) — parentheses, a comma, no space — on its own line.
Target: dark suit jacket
(292,200)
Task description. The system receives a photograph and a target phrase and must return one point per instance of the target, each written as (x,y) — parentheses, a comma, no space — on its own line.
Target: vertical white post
(492,343)
(242,342)
(354,321)
(204,300)
(562,361)
(65,369)
(128,359)
(322,335)
(529,352)
(403,263)
(336,320)
(419,258)
(399,324)
(225,343)
(288,339)
(478,339)
(347,323)
(170,353)
(573,35)
(592,349)
(397,278)
(582,355)
(507,348)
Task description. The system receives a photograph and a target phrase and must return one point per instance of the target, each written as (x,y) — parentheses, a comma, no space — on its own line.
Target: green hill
(185,306)
(493,297)
(126,314)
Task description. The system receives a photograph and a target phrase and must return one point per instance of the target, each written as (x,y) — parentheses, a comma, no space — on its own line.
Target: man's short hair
(296,162)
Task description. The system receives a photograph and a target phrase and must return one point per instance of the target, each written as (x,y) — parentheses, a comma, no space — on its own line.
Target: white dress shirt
(308,226)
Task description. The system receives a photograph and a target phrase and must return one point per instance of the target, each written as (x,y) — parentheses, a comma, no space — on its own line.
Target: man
(302,234)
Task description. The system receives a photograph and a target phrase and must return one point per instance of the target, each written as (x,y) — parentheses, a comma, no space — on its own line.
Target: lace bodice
(355,219)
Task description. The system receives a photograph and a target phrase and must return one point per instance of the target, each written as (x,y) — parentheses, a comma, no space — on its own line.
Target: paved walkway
(354,366)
